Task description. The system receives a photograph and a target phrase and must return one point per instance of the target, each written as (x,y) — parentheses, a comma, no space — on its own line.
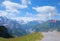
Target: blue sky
(30,10)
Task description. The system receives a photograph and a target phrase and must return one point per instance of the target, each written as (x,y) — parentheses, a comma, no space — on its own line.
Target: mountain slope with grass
(49,25)
(30,37)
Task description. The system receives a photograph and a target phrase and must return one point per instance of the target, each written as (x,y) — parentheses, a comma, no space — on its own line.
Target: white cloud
(46,11)
(43,15)
(26,2)
(29,14)
(24,19)
(7,14)
(43,12)
(31,31)
(28,19)
(13,7)
(3,13)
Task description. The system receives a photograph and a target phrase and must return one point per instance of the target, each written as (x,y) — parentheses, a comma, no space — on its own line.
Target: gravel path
(51,36)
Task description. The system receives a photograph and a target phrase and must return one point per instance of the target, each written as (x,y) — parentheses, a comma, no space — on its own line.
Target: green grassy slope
(31,37)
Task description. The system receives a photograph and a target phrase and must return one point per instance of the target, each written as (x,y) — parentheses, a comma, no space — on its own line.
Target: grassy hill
(30,37)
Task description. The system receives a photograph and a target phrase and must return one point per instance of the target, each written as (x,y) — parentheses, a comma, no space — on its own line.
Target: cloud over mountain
(25,11)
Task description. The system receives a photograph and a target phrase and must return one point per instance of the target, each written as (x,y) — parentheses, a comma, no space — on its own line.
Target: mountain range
(18,29)
(47,26)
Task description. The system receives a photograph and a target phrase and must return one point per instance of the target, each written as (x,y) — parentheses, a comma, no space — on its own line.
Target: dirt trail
(51,36)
